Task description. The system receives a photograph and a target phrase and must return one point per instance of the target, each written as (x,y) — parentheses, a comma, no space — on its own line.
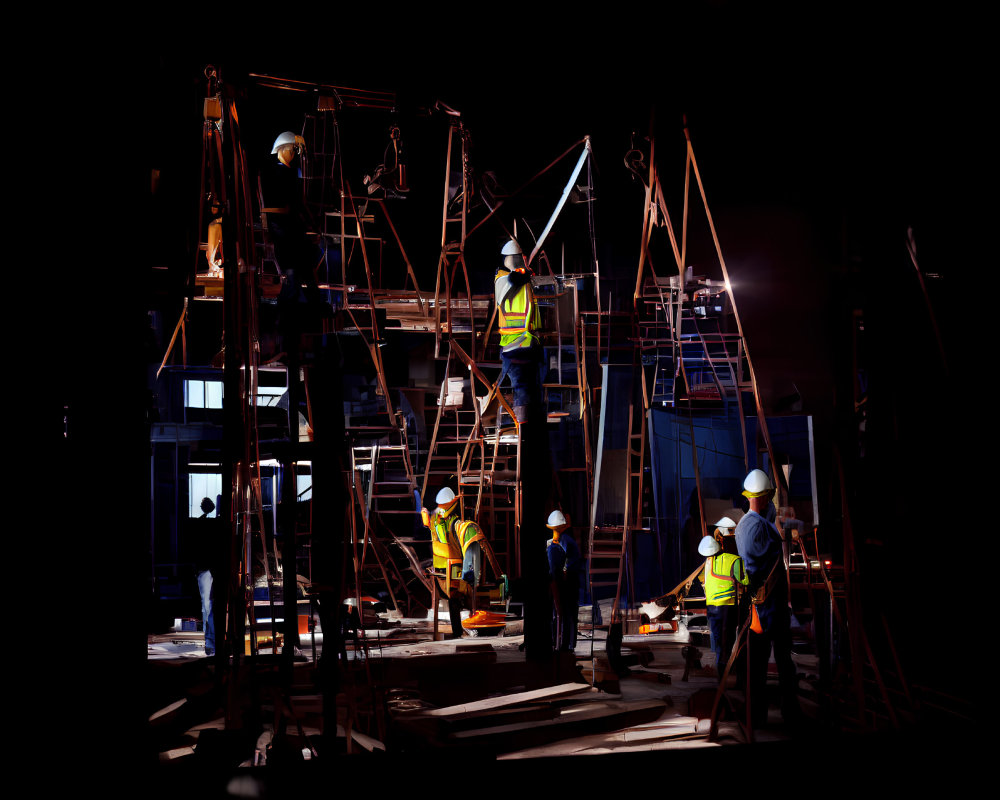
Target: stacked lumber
(520,720)
(419,315)
(670,731)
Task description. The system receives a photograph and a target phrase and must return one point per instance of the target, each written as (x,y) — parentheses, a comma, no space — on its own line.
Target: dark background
(821,137)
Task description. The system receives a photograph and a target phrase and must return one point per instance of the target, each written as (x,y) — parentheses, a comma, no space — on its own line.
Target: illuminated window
(202,485)
(269,395)
(303,485)
(202,394)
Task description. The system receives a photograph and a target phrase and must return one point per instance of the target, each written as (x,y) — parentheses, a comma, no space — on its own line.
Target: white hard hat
(708,546)
(757,484)
(556,519)
(725,522)
(445,496)
(285,138)
(512,248)
(445,500)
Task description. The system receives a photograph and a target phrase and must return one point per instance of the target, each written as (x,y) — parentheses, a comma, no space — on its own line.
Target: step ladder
(386,476)
(605,556)
(374,559)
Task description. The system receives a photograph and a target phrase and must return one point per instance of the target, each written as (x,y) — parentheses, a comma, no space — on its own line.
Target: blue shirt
(574,560)
(758,543)
(557,559)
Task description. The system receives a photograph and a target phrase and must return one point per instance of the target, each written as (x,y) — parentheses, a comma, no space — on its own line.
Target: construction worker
(288,224)
(723,572)
(724,527)
(521,351)
(724,533)
(213,250)
(207,545)
(791,529)
(458,546)
(288,219)
(565,564)
(759,545)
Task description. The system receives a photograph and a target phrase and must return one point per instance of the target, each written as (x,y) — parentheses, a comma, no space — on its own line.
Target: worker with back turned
(760,546)
(723,573)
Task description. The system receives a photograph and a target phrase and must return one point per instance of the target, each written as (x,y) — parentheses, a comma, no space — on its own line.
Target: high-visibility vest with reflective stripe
(518,312)
(452,537)
(468,532)
(720,589)
(444,546)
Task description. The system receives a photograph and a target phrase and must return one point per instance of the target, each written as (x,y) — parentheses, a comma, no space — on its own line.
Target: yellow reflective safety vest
(468,532)
(444,545)
(452,537)
(518,312)
(720,588)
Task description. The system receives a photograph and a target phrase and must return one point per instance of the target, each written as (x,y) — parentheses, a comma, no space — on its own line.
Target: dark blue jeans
(722,626)
(570,610)
(207,613)
(775,619)
(526,367)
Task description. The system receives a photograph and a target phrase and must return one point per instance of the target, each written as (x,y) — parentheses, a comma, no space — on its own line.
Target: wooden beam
(560,691)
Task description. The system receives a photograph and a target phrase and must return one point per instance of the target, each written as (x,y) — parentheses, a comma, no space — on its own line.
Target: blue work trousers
(207,615)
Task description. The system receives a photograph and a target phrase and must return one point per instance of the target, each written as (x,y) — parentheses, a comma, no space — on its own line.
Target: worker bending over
(458,546)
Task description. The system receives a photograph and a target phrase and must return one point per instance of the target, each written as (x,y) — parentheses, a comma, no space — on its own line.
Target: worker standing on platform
(760,546)
(565,563)
(521,351)
(458,546)
(723,572)
(288,224)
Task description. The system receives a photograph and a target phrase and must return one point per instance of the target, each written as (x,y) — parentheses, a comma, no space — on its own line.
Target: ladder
(387,475)
(447,315)
(373,561)
(672,328)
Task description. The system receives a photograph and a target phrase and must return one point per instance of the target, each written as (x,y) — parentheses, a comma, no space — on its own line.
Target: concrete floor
(671,752)
(662,679)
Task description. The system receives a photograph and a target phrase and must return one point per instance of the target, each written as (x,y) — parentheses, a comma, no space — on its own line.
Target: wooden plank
(532,712)
(666,733)
(561,691)
(176,753)
(168,712)
(629,713)
(575,720)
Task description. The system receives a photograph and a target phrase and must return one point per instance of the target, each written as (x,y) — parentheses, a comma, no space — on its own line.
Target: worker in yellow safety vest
(521,351)
(458,546)
(722,574)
